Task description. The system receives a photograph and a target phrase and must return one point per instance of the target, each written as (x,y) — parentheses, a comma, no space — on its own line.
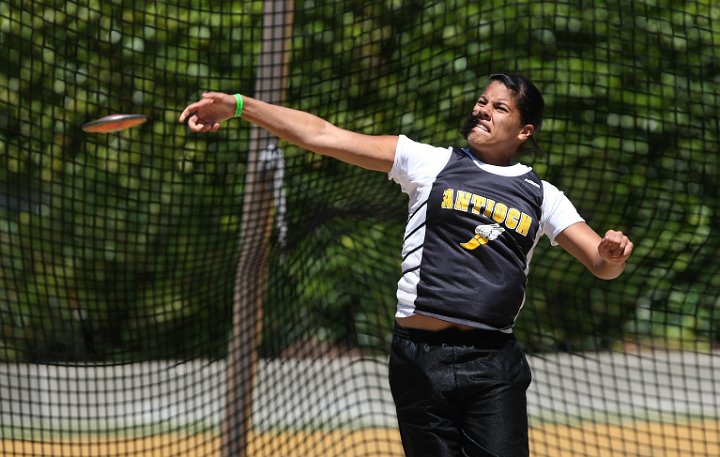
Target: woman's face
(497,133)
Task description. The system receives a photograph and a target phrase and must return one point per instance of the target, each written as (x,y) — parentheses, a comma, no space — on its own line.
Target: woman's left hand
(615,247)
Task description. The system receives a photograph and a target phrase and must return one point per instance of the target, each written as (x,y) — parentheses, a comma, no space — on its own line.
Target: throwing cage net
(171,293)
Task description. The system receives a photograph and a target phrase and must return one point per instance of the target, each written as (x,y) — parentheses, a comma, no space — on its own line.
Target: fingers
(194,108)
(196,125)
(205,114)
(615,247)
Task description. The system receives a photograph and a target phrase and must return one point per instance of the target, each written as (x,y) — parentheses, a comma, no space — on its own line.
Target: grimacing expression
(494,128)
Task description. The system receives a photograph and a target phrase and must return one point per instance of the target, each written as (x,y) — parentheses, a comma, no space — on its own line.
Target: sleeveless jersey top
(470,235)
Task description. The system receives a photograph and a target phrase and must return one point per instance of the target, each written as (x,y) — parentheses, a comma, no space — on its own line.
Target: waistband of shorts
(455,336)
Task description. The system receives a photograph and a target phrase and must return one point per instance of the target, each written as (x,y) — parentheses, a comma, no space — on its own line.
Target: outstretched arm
(297,127)
(604,257)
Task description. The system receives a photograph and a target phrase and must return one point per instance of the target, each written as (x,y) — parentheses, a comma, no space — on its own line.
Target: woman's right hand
(206,114)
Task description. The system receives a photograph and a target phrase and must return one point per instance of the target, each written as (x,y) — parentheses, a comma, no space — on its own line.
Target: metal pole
(255,230)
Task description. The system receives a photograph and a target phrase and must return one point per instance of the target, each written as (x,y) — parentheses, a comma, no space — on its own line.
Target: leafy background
(123,247)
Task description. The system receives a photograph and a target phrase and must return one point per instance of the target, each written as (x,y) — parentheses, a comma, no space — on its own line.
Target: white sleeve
(416,163)
(558,212)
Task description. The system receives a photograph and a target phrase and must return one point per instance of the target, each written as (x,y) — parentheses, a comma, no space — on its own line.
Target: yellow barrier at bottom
(701,438)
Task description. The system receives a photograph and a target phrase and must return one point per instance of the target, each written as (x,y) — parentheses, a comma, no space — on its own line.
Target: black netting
(135,266)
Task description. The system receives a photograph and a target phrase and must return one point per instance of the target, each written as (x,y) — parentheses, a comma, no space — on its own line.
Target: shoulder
(552,195)
(414,158)
(550,191)
(410,147)
(558,212)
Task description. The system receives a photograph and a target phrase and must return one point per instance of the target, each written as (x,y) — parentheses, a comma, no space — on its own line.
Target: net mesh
(135,267)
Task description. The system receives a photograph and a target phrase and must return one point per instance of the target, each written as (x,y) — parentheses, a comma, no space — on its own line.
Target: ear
(526,132)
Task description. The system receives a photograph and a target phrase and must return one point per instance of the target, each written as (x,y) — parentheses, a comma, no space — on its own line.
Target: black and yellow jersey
(470,235)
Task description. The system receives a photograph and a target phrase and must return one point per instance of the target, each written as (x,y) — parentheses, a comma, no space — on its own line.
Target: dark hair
(527,96)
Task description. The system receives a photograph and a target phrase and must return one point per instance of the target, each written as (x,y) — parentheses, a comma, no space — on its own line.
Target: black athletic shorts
(460,393)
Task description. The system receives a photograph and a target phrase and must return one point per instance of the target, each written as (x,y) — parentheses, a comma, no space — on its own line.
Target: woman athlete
(457,375)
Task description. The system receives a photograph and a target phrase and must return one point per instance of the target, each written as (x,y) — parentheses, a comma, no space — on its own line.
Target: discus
(114,123)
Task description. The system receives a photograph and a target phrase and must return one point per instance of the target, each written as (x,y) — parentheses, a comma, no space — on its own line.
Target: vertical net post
(255,230)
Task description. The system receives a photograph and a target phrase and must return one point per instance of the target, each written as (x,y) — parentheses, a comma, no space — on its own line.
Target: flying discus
(114,123)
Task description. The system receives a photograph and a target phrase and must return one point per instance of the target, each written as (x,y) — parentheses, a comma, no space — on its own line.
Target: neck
(500,160)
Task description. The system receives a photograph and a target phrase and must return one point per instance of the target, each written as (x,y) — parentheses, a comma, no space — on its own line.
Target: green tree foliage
(123,247)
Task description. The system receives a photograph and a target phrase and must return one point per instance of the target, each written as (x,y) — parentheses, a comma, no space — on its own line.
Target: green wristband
(239,105)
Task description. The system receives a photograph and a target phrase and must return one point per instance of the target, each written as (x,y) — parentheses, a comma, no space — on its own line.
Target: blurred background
(121,255)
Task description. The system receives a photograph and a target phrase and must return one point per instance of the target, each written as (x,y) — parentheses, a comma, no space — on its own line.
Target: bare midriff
(420,322)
